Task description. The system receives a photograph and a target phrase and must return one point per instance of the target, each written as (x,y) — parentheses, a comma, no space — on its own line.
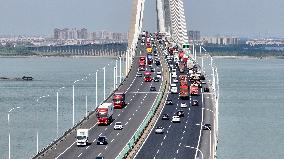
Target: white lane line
(179,144)
(162,143)
(129,118)
(112,140)
(177,151)
(117,134)
(183,131)
(99,154)
(126,123)
(133,114)
(185,126)
(94,140)
(165,137)
(157,151)
(181,138)
(80,155)
(170,125)
(66,150)
(105,147)
(93,126)
(100,134)
(118,114)
(87,147)
(105,129)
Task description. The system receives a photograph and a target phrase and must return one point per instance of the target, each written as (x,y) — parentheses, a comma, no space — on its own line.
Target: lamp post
(57,110)
(37,138)
(10,111)
(96,88)
(104,82)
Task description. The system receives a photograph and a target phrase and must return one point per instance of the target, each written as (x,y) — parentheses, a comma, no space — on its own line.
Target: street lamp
(37,138)
(57,110)
(10,111)
(196,149)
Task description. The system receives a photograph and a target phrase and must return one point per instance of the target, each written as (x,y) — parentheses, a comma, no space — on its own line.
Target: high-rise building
(193,35)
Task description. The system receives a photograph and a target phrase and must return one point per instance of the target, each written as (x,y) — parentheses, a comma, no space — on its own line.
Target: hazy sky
(211,17)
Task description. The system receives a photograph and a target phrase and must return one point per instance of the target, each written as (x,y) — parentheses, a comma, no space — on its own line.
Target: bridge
(195,136)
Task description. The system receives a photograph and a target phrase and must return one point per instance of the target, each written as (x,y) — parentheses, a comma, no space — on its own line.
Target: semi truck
(184,92)
(142,62)
(119,100)
(82,138)
(194,89)
(147,77)
(104,113)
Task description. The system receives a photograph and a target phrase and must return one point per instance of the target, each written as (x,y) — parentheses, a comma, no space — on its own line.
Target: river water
(251,103)
(49,75)
(251,108)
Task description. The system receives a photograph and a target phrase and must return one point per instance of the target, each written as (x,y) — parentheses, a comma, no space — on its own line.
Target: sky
(246,18)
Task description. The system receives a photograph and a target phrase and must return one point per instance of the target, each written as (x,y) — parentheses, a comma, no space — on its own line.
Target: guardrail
(77,125)
(147,120)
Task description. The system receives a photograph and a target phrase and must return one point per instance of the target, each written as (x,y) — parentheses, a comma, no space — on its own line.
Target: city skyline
(239,18)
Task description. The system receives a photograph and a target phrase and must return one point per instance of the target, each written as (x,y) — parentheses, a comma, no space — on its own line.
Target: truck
(194,89)
(104,113)
(118,100)
(184,92)
(82,138)
(149,59)
(147,77)
(142,62)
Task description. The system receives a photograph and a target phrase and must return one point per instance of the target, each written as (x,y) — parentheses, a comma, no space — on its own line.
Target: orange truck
(184,92)
(118,100)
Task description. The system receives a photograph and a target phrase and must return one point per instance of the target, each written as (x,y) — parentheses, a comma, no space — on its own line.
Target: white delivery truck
(82,137)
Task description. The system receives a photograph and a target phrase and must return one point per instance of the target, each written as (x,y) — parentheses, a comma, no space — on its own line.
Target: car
(174,90)
(180,113)
(183,105)
(165,117)
(158,63)
(194,102)
(155,54)
(138,74)
(159,130)
(159,76)
(152,88)
(174,75)
(99,157)
(206,127)
(175,80)
(159,72)
(156,79)
(206,89)
(169,102)
(118,126)
(141,69)
(171,65)
(150,65)
(102,140)
(173,85)
(176,119)
(152,70)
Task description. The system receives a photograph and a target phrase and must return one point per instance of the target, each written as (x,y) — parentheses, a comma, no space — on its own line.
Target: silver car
(159,130)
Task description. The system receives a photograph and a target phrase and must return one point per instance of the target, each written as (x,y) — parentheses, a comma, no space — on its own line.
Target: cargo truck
(147,77)
(104,113)
(184,92)
(118,100)
(194,89)
(82,138)
(142,62)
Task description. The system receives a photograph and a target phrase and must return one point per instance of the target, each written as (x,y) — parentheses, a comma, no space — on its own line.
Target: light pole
(116,73)
(196,149)
(104,82)
(57,110)
(37,138)
(120,78)
(114,77)
(86,105)
(96,88)
(10,111)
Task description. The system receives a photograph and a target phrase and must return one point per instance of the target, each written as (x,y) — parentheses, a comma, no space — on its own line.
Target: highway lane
(172,144)
(137,108)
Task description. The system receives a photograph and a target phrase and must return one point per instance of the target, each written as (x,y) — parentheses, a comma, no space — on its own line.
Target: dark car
(102,140)
(99,157)
(158,63)
(152,69)
(206,89)
(194,102)
(169,102)
(165,117)
(156,79)
(152,88)
(180,113)
(206,127)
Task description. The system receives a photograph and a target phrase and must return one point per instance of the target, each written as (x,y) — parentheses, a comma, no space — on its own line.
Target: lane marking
(66,150)
(80,154)
(112,140)
(87,147)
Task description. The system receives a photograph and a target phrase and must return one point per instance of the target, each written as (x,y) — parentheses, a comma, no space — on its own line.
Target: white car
(174,90)
(174,75)
(159,130)
(118,126)
(150,65)
(176,119)
(175,80)
(159,72)
(183,105)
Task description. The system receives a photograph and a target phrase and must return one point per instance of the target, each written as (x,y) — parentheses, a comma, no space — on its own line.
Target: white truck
(82,137)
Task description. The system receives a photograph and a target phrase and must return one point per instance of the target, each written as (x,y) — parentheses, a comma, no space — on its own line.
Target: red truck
(194,89)
(104,113)
(142,62)
(118,100)
(147,77)
(183,93)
